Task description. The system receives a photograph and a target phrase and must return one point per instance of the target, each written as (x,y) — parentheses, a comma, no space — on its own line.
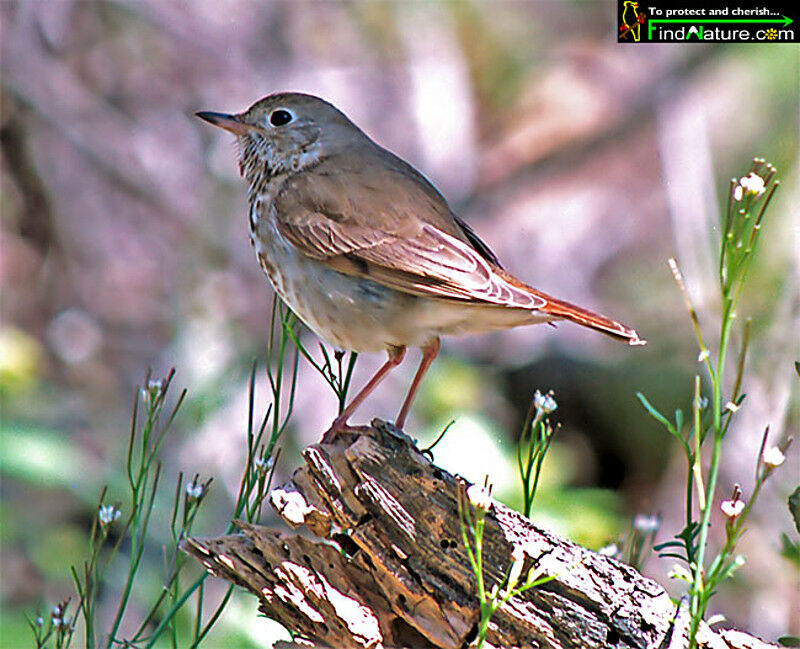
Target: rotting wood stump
(385,566)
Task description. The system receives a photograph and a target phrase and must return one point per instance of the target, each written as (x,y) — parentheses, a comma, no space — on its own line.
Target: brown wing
(394,230)
(393,227)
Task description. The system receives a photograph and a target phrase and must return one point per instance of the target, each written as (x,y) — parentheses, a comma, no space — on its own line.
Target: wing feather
(397,230)
(400,232)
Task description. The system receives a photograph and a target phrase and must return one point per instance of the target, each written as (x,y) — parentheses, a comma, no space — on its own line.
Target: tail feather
(562,310)
(565,310)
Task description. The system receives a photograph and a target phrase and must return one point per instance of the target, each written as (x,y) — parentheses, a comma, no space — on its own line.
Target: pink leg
(429,352)
(395,358)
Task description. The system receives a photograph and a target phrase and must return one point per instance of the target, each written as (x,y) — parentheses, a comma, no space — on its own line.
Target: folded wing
(406,238)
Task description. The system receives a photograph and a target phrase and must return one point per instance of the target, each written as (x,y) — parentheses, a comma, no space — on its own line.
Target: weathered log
(386,565)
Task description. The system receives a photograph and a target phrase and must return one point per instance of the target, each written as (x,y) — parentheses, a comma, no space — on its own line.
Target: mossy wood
(381,563)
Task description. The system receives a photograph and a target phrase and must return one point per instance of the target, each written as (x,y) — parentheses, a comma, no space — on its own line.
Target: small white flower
(56,616)
(773,456)
(194,490)
(107,514)
(732,508)
(480,497)
(752,184)
(263,465)
(703,355)
(731,406)
(544,402)
(39,622)
(702,403)
(646,524)
(155,386)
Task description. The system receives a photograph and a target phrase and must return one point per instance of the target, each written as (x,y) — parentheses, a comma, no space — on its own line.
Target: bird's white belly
(347,312)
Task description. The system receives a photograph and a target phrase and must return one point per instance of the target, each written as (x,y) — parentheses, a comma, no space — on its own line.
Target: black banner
(676,21)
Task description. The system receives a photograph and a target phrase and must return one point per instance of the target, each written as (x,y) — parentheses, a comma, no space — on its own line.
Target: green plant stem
(534,457)
(486,611)
(198,615)
(740,229)
(697,464)
(479,557)
(139,531)
(173,610)
(213,619)
(699,594)
(687,542)
(345,384)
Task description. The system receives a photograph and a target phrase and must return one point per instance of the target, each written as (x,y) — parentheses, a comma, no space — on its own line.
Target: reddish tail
(560,309)
(567,311)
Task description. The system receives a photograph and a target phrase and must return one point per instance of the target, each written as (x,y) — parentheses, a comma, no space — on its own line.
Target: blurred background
(584,164)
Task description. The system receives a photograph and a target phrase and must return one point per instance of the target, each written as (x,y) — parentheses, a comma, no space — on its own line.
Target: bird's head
(286,132)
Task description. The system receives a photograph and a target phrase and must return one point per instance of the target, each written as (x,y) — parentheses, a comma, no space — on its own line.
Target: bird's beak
(232,123)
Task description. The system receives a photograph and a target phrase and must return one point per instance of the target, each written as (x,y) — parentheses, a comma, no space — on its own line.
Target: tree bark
(384,564)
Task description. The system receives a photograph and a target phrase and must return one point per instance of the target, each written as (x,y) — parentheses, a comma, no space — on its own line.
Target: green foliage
(336,374)
(177,616)
(537,433)
(473,503)
(711,415)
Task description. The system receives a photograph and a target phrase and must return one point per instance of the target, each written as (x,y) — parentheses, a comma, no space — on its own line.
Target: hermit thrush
(364,249)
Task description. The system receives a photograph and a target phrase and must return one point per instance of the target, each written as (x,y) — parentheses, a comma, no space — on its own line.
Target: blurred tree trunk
(385,565)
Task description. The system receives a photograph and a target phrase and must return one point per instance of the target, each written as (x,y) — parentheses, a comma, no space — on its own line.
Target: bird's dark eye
(279,117)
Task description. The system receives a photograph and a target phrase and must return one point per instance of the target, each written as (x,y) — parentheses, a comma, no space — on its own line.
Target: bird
(630,19)
(365,250)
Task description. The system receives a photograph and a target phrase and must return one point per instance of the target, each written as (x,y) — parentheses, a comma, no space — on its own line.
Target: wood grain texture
(384,564)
